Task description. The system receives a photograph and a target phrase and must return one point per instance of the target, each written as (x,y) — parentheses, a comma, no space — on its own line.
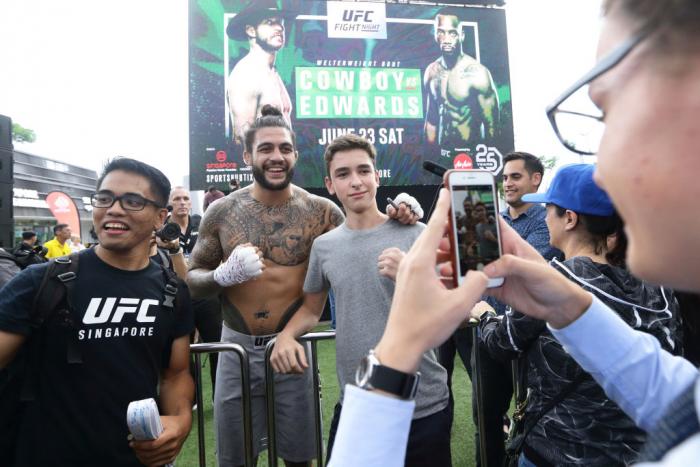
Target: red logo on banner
(64,210)
(463,161)
(221,156)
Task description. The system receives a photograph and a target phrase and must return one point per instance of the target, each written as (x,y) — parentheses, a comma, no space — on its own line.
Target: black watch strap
(373,375)
(394,382)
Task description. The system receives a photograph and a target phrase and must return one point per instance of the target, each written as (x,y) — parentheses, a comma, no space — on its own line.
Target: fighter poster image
(421,82)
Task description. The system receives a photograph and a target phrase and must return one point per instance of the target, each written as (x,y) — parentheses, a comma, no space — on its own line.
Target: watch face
(362,373)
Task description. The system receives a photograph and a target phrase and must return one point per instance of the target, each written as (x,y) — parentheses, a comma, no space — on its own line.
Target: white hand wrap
(411,202)
(243,265)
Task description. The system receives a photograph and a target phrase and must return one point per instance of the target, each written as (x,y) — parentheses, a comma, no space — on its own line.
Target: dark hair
(28,235)
(598,229)
(348,142)
(56,228)
(160,185)
(675,23)
(450,11)
(533,164)
(270,116)
(211,188)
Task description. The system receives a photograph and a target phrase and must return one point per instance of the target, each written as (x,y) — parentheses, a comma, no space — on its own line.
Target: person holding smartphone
(645,86)
(584,426)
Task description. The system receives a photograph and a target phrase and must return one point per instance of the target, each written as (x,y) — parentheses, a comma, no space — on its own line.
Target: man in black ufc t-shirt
(133,346)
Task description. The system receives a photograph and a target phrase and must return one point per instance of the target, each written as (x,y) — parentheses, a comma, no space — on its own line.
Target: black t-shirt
(189,239)
(124,336)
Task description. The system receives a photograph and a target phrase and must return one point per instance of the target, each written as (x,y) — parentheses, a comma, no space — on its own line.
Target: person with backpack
(118,333)
(29,251)
(9,267)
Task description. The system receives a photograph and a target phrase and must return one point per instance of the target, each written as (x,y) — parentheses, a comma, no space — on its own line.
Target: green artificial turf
(462,431)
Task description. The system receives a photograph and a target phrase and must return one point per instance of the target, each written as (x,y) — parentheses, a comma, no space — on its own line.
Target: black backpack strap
(170,288)
(563,394)
(67,278)
(164,258)
(54,297)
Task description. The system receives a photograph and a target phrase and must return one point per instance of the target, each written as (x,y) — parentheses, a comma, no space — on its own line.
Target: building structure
(34,178)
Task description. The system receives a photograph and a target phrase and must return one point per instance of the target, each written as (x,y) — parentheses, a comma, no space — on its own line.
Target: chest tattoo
(283,233)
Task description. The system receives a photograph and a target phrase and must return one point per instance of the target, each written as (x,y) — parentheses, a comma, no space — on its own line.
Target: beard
(454,51)
(267,47)
(259,177)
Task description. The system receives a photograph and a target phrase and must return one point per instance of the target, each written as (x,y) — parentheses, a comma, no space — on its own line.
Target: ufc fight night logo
(358,20)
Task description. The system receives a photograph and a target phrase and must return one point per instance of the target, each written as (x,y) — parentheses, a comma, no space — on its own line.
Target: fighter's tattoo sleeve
(336,216)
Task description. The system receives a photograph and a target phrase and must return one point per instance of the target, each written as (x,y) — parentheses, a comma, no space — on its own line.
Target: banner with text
(421,82)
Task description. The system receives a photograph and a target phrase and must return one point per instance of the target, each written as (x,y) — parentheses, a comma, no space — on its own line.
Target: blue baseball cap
(573,188)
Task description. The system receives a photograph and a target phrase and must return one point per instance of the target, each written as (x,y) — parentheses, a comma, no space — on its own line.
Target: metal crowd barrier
(312,337)
(518,390)
(479,390)
(197,350)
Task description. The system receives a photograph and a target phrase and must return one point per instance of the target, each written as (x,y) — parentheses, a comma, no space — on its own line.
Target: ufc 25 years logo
(102,310)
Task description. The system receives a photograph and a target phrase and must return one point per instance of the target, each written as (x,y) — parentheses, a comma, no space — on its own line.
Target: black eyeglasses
(577,122)
(128,201)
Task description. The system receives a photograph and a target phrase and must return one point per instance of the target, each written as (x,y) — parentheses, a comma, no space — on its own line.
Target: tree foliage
(22,135)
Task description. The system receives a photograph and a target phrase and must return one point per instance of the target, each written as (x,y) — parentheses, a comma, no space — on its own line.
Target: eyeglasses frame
(604,65)
(120,197)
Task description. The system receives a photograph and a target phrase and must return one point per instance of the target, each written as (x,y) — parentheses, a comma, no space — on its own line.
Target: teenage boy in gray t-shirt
(359,260)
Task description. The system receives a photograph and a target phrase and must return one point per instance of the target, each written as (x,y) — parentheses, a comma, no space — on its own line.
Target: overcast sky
(99,79)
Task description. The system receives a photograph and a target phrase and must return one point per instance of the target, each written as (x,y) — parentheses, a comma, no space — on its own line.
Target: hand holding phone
(474,239)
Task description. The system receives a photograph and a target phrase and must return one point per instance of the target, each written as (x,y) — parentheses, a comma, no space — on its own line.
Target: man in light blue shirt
(646,85)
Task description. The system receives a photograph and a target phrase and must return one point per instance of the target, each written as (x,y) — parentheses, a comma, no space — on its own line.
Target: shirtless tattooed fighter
(253,249)
(254,80)
(462,104)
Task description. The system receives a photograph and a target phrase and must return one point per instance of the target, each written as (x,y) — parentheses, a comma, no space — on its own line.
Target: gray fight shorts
(294,416)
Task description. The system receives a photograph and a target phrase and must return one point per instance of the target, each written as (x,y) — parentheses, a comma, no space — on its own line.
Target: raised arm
(207,255)
(333,217)
(207,273)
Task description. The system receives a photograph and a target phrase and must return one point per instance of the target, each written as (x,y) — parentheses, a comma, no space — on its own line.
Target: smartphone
(475,235)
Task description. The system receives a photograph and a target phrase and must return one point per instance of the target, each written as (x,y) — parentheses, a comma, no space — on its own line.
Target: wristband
(241,266)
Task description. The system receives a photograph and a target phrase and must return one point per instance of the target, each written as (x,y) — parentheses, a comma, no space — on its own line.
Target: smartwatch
(371,374)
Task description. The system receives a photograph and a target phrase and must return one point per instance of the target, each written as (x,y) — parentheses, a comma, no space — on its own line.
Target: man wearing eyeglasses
(462,104)
(124,339)
(646,86)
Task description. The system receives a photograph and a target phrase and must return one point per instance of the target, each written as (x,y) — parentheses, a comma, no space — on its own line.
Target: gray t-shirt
(346,260)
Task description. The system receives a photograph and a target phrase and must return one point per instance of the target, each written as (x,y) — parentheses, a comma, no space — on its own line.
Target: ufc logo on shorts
(101,310)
